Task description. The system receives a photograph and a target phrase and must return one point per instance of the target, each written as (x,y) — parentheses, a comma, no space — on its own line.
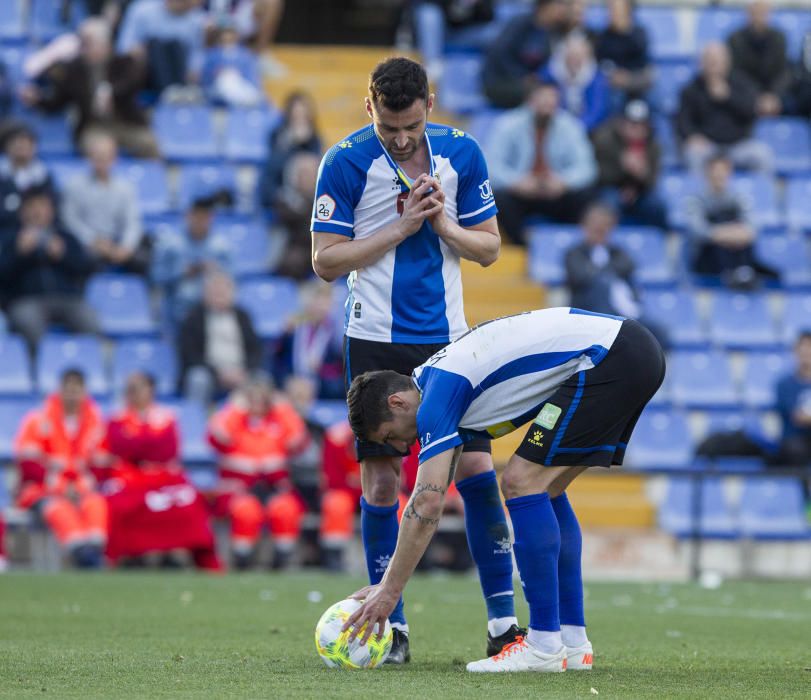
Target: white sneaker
(521,656)
(580,658)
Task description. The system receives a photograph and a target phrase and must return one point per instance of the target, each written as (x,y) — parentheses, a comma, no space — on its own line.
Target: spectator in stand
(230,73)
(311,346)
(297,132)
(293,205)
(101,210)
(166,37)
(219,348)
(513,60)
(182,260)
(541,162)
(434,20)
(255,436)
(6,99)
(256,21)
(719,221)
(44,269)
(794,405)
(54,450)
(759,53)
(103,90)
(628,158)
(152,506)
(20,170)
(717,112)
(584,89)
(797,98)
(622,52)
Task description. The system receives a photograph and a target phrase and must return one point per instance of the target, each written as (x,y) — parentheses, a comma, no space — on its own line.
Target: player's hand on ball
(378,605)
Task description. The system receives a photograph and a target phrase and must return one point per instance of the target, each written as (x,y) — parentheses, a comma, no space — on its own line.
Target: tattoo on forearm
(411,511)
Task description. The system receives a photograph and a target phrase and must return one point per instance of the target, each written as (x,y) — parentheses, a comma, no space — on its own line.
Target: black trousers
(514,209)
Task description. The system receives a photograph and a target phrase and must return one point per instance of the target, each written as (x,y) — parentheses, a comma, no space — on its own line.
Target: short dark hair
(72,374)
(601,205)
(368,399)
(397,83)
(36,192)
(717,157)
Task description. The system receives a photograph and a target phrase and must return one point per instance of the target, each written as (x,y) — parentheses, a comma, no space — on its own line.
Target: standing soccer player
(582,379)
(398,203)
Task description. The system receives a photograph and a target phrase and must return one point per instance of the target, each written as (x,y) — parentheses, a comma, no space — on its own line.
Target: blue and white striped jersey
(413,294)
(497,377)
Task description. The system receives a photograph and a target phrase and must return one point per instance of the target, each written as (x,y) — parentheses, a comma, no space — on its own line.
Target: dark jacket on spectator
(73,84)
(281,150)
(192,340)
(761,58)
(608,149)
(724,122)
(37,274)
(590,285)
(623,50)
(12,187)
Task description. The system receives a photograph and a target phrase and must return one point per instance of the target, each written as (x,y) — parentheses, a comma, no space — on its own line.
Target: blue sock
(537,547)
(570,576)
(488,537)
(378,527)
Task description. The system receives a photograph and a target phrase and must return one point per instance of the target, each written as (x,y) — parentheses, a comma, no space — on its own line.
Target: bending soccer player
(581,380)
(397,204)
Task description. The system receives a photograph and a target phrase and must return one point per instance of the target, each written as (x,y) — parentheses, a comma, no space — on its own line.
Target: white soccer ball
(337,651)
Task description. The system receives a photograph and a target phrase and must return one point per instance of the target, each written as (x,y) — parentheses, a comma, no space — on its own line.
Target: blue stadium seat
(192,421)
(156,357)
(717,517)
(668,38)
(54,136)
(796,316)
(60,352)
(661,440)
(198,180)
(64,170)
(773,508)
(46,19)
(701,379)
(761,373)
(789,254)
(798,194)
(730,465)
(717,23)
(185,132)
(674,187)
(669,81)
(246,134)
(251,244)
(461,83)
(481,124)
(15,367)
(761,190)
(11,414)
(122,304)
(794,24)
(547,246)
(12,24)
(790,139)
(270,302)
(328,413)
(150,182)
(742,321)
(677,310)
(648,248)
(666,136)
(13,58)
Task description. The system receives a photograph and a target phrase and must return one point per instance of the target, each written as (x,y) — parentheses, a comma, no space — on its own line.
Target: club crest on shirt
(324,207)
(485,190)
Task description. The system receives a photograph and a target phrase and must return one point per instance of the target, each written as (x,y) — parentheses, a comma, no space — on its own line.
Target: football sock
(378,527)
(570,577)
(573,635)
(488,537)
(537,547)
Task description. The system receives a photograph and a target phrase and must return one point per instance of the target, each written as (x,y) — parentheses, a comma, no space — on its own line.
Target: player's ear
(396,401)
(430,104)
(368,102)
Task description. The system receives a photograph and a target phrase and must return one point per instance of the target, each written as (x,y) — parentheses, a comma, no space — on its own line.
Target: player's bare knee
(381,482)
(473,464)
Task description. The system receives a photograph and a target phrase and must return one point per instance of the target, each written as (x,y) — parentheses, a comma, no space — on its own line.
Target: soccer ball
(337,651)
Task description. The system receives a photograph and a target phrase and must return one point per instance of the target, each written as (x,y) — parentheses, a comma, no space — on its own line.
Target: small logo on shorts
(536,438)
(548,416)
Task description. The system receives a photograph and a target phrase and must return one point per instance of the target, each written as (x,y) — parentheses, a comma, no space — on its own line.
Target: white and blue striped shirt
(413,294)
(498,376)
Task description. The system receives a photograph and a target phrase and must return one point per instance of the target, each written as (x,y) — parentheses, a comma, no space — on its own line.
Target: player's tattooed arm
(412,510)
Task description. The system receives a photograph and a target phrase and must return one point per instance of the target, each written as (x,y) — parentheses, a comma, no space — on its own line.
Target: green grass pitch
(134,635)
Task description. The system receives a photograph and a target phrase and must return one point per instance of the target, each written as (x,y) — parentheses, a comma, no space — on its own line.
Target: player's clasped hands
(377,606)
(425,201)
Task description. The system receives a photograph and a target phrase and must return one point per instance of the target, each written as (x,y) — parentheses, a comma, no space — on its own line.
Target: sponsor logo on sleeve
(485,190)
(324,207)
